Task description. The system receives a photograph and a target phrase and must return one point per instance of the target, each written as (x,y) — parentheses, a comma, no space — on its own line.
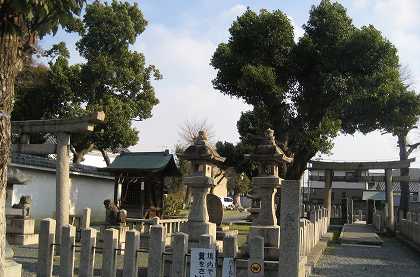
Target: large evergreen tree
(311,90)
(21,24)
(114,79)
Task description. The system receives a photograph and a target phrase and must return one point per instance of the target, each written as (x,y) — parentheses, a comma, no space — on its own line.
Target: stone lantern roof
(202,152)
(269,155)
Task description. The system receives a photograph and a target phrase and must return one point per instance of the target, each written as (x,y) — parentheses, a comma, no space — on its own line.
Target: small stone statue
(114,216)
(25,203)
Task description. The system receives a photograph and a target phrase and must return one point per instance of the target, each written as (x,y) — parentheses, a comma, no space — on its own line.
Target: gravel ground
(392,259)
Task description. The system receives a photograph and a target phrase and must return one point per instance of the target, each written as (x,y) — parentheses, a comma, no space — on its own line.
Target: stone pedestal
(198,220)
(21,231)
(265,225)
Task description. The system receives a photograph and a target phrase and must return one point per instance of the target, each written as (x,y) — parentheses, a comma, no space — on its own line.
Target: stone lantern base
(196,229)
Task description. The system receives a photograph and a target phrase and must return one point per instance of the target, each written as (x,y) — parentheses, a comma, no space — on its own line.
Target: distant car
(227,203)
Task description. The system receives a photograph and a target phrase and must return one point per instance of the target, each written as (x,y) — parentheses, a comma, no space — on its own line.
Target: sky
(181,37)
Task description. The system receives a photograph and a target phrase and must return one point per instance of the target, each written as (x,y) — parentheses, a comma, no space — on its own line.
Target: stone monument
(269,157)
(203,159)
(215,210)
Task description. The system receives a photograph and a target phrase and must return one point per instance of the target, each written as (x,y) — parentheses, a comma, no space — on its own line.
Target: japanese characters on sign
(203,262)
(229,269)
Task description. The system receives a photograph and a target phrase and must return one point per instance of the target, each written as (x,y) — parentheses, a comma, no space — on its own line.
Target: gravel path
(393,259)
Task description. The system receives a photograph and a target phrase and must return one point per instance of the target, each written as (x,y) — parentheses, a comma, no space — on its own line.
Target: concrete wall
(85,192)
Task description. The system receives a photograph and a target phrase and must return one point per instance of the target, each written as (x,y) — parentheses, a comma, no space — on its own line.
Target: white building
(89,187)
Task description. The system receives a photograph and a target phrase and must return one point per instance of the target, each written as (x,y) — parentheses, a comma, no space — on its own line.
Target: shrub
(172,205)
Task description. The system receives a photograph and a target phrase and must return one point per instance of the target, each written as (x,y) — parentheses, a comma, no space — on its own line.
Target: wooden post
(46,247)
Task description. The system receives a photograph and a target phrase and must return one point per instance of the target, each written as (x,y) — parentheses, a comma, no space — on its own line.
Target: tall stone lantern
(203,158)
(269,158)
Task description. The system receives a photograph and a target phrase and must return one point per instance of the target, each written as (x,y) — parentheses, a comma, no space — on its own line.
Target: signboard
(203,262)
(229,268)
(256,267)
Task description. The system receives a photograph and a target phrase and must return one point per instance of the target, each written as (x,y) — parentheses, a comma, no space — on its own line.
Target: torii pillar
(328,190)
(62,130)
(389,190)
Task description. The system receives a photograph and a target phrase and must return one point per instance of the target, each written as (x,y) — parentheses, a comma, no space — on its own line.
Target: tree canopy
(114,79)
(336,78)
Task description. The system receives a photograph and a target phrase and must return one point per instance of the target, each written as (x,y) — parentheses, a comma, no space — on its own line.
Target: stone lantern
(203,159)
(269,158)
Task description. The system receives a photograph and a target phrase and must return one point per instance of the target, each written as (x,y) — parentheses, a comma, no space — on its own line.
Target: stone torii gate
(388,166)
(61,129)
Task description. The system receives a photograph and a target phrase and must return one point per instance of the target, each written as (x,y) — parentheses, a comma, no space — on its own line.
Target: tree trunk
(405,186)
(10,64)
(105,156)
(78,156)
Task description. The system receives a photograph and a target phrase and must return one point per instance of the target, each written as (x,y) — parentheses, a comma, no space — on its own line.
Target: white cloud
(186,91)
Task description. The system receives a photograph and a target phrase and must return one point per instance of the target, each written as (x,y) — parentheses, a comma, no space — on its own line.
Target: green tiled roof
(144,162)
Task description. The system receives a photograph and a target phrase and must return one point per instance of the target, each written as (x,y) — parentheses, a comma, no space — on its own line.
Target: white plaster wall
(85,192)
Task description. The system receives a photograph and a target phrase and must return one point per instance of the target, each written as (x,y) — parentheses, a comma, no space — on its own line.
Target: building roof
(39,162)
(144,162)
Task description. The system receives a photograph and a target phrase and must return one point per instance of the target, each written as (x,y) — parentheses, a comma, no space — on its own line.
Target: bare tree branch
(412,147)
(190,129)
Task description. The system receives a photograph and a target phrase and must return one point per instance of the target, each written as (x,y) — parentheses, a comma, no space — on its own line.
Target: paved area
(392,259)
(360,233)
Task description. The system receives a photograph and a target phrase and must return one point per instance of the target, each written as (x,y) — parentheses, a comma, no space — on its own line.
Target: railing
(143,225)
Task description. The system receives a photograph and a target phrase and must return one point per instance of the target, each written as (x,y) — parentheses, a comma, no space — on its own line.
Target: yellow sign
(255,268)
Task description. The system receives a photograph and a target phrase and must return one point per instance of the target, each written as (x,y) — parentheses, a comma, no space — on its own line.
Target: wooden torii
(357,167)
(62,129)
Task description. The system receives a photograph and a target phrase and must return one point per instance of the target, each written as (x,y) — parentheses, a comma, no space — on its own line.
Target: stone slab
(215,209)
(19,239)
(359,233)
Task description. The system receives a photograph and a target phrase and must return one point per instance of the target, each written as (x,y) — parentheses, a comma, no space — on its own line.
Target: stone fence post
(68,238)
(256,257)
(179,252)
(86,218)
(156,248)
(87,252)
(109,255)
(46,247)
(130,253)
